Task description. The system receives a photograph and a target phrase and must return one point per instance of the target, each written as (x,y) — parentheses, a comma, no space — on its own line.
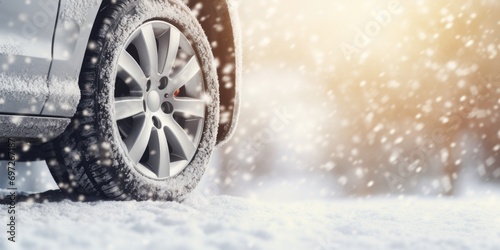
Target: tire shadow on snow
(48,196)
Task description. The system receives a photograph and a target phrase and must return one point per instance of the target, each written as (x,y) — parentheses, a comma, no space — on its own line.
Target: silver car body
(42,45)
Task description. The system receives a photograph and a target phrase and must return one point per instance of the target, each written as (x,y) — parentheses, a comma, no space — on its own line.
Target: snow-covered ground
(223,222)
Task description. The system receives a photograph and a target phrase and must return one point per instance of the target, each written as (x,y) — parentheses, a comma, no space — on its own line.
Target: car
(124,99)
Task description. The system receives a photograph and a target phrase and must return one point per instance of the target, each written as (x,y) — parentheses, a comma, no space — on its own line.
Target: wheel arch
(220,22)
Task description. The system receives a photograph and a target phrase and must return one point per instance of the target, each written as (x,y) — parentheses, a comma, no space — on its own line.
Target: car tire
(95,155)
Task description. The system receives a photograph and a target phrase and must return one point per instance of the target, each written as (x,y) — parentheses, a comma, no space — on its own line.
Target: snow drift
(221,222)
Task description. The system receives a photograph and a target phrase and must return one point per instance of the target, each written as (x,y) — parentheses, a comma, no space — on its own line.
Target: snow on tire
(133,99)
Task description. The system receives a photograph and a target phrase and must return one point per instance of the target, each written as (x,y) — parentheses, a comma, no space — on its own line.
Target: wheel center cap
(153,101)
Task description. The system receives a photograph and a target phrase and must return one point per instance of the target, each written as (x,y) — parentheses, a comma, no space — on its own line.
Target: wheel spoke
(178,139)
(170,51)
(130,71)
(126,107)
(159,158)
(186,74)
(148,51)
(190,107)
(138,140)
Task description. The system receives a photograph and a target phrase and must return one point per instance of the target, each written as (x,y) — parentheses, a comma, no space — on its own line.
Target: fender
(219,19)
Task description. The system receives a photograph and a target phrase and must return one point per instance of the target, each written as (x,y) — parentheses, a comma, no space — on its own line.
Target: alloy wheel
(159,99)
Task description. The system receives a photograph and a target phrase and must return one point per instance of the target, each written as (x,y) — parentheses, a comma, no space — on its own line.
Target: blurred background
(361,99)
(366,98)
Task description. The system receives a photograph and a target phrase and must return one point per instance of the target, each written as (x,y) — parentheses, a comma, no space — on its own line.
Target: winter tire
(147,120)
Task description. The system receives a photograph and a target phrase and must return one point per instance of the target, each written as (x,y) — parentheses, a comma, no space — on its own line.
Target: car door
(26,33)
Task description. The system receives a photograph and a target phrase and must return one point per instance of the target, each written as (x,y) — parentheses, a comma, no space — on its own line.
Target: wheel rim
(159,100)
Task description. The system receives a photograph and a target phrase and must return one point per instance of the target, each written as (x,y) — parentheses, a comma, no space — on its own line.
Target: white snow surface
(222,222)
